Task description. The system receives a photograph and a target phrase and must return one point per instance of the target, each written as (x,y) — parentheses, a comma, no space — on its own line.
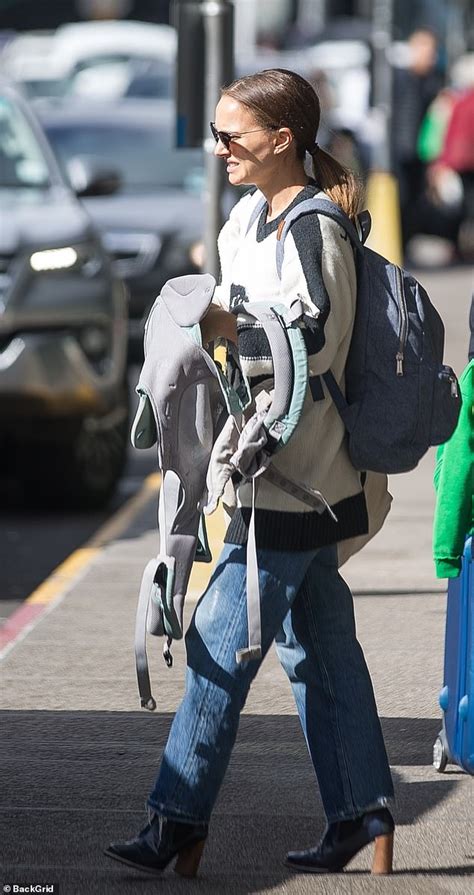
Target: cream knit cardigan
(317,452)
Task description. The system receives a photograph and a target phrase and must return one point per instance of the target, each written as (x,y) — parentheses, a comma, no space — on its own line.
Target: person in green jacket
(454,483)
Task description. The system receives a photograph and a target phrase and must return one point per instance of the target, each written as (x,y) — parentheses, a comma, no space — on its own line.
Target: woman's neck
(280,195)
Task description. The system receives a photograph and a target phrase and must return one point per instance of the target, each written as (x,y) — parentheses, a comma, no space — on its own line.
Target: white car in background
(96,59)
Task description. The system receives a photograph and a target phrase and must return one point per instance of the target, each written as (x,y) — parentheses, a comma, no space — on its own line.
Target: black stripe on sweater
(253,343)
(306,232)
(301,531)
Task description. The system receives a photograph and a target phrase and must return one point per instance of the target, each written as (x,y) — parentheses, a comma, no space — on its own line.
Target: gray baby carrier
(193,410)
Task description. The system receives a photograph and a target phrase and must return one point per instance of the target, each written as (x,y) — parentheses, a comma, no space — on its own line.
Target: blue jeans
(307,609)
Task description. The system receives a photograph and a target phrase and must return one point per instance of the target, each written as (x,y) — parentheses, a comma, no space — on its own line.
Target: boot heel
(189,859)
(383,854)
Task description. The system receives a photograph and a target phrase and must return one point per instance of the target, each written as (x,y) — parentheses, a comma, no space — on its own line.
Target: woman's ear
(284,139)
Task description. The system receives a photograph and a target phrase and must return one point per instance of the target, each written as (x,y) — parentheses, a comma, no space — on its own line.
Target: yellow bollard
(383,203)
(215,524)
(201,572)
(220,355)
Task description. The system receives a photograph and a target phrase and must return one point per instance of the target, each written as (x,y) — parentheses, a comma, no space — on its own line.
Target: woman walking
(265,128)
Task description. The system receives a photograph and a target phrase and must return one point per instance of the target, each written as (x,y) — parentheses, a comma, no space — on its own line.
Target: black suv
(63,327)
(153,220)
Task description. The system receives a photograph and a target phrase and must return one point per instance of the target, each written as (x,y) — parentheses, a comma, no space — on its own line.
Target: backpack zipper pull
(403,332)
(454,388)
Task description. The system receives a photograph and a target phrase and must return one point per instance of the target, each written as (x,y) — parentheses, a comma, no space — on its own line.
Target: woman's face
(251,157)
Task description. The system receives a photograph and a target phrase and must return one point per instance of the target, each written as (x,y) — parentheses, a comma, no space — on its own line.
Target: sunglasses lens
(220,135)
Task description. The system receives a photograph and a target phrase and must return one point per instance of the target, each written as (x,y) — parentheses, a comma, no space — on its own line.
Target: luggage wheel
(440,755)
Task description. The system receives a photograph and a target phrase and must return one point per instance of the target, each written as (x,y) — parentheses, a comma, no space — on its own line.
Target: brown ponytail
(281,98)
(338,182)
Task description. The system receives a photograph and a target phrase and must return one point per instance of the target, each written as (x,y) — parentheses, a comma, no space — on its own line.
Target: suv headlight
(84,257)
(54,259)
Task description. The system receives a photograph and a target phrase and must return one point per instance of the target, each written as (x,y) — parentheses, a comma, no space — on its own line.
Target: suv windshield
(22,163)
(143,156)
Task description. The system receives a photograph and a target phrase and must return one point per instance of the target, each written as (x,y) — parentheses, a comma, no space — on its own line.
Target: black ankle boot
(343,839)
(158,843)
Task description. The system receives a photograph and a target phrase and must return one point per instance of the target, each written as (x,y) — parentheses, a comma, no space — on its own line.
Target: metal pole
(457,33)
(245,26)
(382,187)
(187,19)
(312,15)
(381,38)
(218,16)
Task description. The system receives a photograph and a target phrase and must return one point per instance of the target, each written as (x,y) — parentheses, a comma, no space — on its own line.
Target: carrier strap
(309,496)
(141,659)
(254,618)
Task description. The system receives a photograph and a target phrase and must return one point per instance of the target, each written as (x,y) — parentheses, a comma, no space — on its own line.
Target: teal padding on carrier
(162,595)
(203,551)
(290,365)
(299,356)
(144,433)
(194,332)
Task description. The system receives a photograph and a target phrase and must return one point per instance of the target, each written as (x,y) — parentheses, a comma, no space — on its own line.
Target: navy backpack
(400,397)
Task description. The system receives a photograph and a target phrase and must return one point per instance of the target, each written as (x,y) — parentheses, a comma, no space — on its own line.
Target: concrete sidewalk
(79,756)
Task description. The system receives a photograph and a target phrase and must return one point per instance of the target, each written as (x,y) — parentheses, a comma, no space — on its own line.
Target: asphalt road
(34,543)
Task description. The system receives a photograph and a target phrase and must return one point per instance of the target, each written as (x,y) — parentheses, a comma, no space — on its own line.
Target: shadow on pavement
(410,741)
(74,781)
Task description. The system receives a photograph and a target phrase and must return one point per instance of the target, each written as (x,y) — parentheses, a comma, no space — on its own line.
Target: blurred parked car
(63,327)
(78,40)
(27,60)
(151,223)
(104,78)
(97,58)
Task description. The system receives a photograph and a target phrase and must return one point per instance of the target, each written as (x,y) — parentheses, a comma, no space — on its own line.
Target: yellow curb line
(76,563)
(55,588)
(59,583)
(62,575)
(119,521)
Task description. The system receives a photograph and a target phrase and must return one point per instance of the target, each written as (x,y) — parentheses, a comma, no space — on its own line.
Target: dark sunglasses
(226,138)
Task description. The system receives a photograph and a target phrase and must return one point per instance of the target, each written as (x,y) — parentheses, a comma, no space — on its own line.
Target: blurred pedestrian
(414,88)
(451,175)
(265,129)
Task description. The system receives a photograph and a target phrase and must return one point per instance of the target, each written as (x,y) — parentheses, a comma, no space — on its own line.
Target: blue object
(458,721)
(181,131)
(444,698)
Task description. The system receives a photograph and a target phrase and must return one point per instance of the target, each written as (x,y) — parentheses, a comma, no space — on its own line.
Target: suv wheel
(81,468)
(93,461)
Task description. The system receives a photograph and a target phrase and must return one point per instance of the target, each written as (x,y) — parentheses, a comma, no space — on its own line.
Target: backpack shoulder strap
(256,212)
(319,206)
(322,205)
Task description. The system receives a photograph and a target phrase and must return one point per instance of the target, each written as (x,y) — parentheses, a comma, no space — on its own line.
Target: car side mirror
(87,178)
